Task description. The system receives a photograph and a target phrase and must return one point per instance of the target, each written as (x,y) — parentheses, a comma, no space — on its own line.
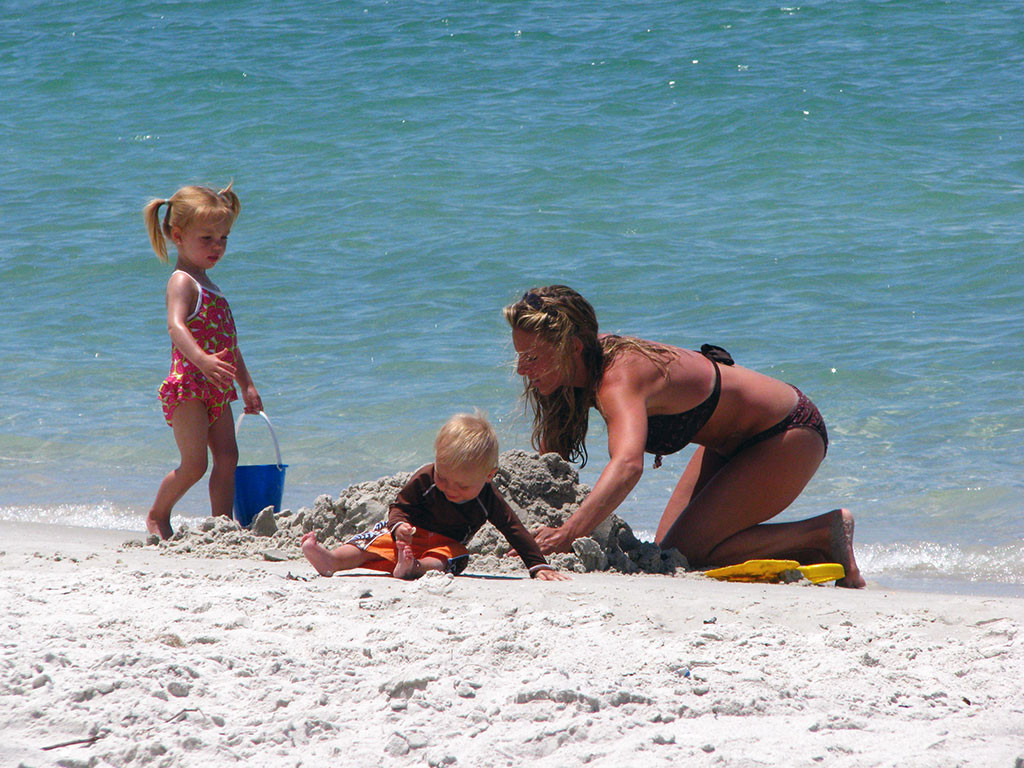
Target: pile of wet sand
(543,490)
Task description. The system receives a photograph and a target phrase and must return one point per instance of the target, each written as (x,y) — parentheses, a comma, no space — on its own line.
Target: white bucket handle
(277,448)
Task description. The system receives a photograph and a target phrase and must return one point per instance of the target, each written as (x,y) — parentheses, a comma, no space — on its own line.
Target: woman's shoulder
(651,368)
(628,355)
(617,343)
(632,370)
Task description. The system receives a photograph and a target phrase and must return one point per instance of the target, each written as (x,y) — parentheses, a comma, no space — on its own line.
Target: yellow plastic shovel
(771,571)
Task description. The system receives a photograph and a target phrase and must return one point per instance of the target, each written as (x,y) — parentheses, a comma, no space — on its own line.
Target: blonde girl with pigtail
(205,358)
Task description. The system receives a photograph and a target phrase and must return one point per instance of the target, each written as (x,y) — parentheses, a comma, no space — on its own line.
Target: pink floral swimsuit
(213,328)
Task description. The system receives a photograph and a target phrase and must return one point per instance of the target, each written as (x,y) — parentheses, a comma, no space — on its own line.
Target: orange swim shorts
(378,542)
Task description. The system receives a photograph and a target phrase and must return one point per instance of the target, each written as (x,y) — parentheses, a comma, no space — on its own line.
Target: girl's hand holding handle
(251,398)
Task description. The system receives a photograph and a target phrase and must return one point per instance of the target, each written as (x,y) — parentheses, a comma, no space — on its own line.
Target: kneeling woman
(759,440)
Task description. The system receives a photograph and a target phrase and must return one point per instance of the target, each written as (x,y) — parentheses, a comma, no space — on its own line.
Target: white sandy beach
(152,657)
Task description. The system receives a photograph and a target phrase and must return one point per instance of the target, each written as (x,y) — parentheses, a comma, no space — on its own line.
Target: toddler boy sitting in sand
(437,513)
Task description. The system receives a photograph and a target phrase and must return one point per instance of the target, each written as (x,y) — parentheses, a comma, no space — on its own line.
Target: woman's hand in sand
(551,540)
(404,533)
(549,574)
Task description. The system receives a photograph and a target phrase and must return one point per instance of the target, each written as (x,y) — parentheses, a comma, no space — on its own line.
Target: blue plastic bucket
(258,486)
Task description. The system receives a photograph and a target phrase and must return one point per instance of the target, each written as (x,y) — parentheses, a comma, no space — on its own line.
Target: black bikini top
(668,433)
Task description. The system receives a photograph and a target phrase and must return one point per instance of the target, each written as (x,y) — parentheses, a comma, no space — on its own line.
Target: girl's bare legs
(409,567)
(328,561)
(191,430)
(716,514)
(224,449)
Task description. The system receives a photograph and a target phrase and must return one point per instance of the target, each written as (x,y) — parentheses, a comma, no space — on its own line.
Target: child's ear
(492,474)
(176,235)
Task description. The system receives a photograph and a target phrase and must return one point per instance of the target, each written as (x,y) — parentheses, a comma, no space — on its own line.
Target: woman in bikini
(759,440)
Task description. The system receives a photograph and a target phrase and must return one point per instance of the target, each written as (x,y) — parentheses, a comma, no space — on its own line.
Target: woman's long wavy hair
(560,316)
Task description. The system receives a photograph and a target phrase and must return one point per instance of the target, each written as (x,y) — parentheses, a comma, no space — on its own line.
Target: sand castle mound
(543,490)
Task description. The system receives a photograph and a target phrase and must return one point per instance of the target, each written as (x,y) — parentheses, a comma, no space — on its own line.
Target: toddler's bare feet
(408,565)
(318,555)
(842,548)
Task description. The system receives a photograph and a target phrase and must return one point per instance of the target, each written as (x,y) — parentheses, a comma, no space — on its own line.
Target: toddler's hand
(404,533)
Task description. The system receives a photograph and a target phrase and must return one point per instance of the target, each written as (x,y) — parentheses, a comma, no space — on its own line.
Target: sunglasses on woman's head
(532,300)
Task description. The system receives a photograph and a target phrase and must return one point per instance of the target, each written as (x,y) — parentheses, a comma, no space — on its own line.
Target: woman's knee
(697,553)
(698,558)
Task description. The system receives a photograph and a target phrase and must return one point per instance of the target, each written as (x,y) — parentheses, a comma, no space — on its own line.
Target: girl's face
(203,242)
(538,361)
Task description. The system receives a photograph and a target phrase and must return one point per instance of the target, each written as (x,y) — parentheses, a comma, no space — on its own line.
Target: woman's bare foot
(161,528)
(841,540)
(408,566)
(318,555)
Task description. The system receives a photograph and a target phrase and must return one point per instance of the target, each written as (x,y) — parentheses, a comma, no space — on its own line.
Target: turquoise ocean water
(832,191)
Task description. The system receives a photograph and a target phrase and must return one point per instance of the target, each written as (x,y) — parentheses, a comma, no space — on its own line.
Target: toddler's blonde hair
(467,440)
(185,206)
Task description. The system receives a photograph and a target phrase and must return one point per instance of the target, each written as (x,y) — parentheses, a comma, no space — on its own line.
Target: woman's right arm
(623,405)
(181,298)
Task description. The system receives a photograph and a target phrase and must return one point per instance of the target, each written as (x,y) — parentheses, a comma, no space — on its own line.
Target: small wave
(81,515)
(104,515)
(928,561)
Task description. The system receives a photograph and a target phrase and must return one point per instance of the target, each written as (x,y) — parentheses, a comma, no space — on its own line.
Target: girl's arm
(624,407)
(181,298)
(250,396)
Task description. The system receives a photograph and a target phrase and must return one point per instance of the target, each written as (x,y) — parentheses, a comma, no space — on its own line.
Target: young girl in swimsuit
(759,440)
(205,358)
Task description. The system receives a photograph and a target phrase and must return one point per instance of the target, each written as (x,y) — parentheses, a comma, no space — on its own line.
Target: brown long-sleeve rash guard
(421,504)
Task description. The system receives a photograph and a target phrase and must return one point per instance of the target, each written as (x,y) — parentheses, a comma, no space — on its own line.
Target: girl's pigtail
(231,199)
(151,215)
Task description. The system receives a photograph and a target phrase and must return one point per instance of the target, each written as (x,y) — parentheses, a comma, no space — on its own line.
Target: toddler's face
(460,484)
